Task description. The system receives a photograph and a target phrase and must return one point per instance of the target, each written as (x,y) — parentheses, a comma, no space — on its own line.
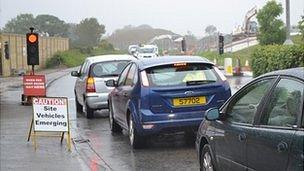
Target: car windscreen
(181,74)
(146,50)
(107,69)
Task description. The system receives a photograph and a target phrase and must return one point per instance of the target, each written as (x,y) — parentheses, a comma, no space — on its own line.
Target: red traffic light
(32,38)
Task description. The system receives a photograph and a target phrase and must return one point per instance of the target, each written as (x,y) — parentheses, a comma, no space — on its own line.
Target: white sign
(50,114)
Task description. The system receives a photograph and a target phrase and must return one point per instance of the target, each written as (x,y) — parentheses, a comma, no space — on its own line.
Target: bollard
(237,68)
(228,66)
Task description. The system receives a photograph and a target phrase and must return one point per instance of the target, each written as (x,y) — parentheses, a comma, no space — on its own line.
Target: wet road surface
(170,152)
(99,147)
(18,154)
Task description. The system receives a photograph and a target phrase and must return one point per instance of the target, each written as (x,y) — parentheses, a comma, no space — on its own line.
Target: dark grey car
(261,127)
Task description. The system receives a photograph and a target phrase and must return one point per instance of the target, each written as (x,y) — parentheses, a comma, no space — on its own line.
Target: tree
(301,27)
(271,30)
(20,24)
(89,32)
(51,25)
(104,44)
(210,30)
(43,24)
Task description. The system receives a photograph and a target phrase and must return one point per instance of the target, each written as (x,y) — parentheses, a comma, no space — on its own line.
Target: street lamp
(288,41)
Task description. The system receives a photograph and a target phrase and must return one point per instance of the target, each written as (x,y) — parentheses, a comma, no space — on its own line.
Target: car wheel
(136,140)
(113,124)
(78,105)
(89,111)
(206,159)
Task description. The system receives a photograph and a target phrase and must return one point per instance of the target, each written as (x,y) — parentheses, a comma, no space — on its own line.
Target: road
(95,148)
(168,152)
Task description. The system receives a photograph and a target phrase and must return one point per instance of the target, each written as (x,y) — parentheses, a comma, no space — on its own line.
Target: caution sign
(50,114)
(34,85)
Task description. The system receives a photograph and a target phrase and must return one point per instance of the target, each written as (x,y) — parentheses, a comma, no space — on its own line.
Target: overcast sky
(176,15)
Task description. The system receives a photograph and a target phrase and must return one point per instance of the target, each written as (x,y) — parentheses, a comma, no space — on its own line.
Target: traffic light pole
(33,69)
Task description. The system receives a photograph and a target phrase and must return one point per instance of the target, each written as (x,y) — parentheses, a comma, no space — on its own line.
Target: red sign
(34,85)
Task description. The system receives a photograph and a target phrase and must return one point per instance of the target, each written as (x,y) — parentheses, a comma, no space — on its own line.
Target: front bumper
(97,100)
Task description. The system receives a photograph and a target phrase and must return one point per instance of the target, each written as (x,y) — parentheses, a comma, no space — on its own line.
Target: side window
(123,76)
(83,68)
(132,75)
(285,104)
(242,110)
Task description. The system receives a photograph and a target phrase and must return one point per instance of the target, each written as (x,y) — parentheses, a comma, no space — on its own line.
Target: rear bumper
(97,100)
(170,123)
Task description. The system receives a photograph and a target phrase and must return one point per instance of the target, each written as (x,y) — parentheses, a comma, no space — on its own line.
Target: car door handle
(242,137)
(282,146)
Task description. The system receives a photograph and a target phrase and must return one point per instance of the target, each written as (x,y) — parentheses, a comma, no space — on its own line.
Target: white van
(147,51)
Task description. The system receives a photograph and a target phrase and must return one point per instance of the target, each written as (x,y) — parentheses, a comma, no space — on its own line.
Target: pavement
(15,152)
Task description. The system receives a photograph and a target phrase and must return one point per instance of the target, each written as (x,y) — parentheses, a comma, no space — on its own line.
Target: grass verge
(75,57)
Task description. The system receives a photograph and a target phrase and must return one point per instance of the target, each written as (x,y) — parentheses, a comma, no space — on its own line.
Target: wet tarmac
(168,152)
(95,148)
(98,147)
(18,154)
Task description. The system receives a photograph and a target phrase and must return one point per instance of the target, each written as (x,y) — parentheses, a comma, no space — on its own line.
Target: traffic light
(32,45)
(184,47)
(6,50)
(221,44)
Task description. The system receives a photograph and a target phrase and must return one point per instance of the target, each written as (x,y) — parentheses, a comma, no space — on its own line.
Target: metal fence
(16,61)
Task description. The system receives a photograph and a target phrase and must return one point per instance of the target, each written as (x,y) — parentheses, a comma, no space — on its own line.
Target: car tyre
(78,105)
(206,159)
(114,127)
(89,111)
(136,141)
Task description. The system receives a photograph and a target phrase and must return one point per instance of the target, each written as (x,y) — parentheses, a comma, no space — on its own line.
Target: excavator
(249,28)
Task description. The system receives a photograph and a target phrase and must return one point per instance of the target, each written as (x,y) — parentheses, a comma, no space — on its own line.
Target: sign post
(50,114)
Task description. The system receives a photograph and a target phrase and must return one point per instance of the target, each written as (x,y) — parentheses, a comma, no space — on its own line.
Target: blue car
(164,95)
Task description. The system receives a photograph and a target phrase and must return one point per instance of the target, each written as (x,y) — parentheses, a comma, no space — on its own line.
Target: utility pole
(288,41)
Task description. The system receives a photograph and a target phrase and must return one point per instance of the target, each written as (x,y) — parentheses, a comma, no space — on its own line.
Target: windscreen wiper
(199,82)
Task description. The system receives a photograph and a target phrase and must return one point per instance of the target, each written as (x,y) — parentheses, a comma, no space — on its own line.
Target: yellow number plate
(189,101)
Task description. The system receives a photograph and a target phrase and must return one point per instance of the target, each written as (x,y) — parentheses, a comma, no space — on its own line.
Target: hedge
(70,58)
(276,57)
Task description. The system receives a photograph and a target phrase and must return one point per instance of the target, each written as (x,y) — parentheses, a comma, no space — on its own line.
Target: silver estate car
(91,92)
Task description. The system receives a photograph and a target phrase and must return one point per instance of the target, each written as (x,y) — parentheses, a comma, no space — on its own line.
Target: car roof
(165,60)
(104,58)
(292,72)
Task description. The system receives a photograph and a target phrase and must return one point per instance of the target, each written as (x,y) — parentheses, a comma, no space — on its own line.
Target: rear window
(181,74)
(107,69)
(146,50)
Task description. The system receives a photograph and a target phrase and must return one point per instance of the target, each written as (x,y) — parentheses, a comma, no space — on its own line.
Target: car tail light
(90,85)
(144,78)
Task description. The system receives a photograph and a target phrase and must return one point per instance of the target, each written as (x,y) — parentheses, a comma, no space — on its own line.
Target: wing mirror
(75,74)
(212,114)
(111,83)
